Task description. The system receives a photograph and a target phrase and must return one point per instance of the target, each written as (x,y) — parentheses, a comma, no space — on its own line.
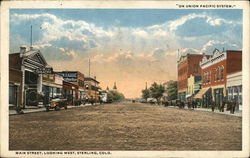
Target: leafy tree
(115,96)
(172,90)
(156,91)
(145,94)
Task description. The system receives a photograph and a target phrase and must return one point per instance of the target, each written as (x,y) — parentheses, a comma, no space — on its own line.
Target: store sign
(69,76)
(44,70)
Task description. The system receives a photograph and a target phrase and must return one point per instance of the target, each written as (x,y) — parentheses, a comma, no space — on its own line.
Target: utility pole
(31,36)
(89,67)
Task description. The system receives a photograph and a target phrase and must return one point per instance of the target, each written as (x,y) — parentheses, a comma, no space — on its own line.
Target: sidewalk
(236,113)
(43,109)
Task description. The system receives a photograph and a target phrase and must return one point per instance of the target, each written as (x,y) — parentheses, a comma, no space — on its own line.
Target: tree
(145,94)
(172,90)
(115,96)
(156,91)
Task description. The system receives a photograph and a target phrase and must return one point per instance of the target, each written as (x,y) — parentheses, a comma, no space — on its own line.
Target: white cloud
(211,20)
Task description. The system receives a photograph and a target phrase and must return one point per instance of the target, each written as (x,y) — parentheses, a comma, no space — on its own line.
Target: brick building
(214,74)
(92,88)
(74,84)
(187,65)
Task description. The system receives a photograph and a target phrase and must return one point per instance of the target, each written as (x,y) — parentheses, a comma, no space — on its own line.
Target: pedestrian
(233,105)
(223,104)
(213,105)
(193,104)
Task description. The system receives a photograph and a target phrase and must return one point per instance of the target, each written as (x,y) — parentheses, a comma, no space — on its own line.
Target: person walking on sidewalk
(213,105)
(224,101)
(233,105)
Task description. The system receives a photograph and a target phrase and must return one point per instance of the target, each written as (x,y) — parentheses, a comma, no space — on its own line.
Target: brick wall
(213,78)
(234,61)
(15,61)
(188,67)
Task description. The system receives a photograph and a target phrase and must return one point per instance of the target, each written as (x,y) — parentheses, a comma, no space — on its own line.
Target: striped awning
(201,93)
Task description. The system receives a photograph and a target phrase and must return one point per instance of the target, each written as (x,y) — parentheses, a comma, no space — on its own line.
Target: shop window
(58,90)
(240,89)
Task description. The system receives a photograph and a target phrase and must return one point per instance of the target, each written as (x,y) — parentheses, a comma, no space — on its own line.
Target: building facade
(52,87)
(75,78)
(234,88)
(187,65)
(25,79)
(92,88)
(194,85)
(214,74)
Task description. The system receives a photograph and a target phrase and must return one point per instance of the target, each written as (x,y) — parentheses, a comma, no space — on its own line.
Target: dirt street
(125,126)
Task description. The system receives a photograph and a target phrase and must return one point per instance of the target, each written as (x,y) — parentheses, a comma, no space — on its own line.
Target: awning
(81,89)
(188,95)
(201,93)
(52,85)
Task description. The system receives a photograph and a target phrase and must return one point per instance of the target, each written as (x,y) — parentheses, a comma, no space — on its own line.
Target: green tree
(156,91)
(145,94)
(172,90)
(115,96)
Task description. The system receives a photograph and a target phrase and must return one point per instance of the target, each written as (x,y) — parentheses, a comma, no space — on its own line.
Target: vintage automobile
(57,104)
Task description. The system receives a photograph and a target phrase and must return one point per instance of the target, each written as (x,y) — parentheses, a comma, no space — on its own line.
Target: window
(222,73)
(219,73)
(215,75)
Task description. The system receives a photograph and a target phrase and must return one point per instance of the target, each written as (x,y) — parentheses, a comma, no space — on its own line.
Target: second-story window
(222,73)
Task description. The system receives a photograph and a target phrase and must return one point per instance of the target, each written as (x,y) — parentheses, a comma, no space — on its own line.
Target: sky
(126,46)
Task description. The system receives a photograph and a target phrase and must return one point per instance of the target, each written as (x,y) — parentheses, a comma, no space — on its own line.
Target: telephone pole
(31,36)
(89,67)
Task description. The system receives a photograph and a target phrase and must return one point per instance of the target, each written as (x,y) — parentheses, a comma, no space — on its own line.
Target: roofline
(91,79)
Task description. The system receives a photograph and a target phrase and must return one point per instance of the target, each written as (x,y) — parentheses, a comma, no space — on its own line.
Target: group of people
(192,104)
(230,105)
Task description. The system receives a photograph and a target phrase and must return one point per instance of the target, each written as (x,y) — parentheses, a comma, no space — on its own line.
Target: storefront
(182,95)
(15,77)
(70,92)
(218,96)
(26,63)
(234,89)
(52,87)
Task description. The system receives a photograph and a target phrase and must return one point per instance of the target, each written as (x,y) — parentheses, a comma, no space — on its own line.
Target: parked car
(143,100)
(57,104)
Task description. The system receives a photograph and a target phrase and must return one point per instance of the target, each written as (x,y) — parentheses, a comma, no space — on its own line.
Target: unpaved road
(125,126)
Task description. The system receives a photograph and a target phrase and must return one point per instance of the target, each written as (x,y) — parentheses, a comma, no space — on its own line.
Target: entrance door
(12,95)
(31,97)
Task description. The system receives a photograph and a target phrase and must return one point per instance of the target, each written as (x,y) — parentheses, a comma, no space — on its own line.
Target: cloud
(212,44)
(210,20)
(185,51)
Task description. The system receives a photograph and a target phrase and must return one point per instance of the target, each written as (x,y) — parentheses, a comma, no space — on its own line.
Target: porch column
(22,92)
(39,83)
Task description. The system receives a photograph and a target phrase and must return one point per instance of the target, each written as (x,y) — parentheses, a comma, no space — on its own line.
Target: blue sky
(118,38)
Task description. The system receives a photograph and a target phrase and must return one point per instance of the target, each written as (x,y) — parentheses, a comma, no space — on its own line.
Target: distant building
(187,65)
(25,82)
(76,78)
(214,74)
(92,88)
(194,85)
